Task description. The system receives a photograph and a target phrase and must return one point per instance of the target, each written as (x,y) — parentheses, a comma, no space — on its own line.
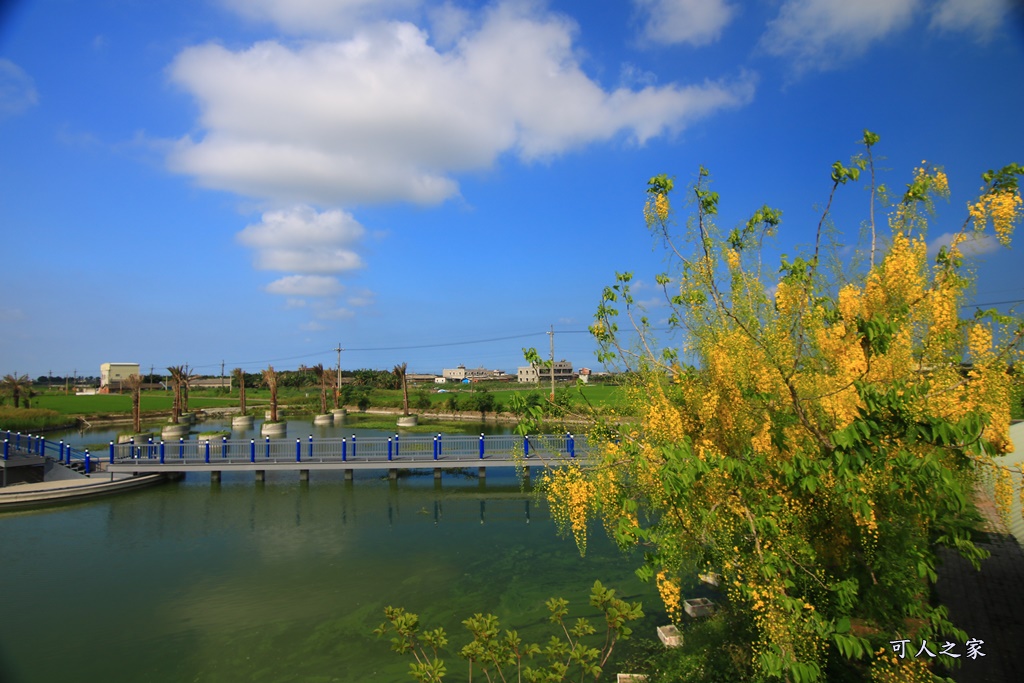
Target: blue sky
(255,181)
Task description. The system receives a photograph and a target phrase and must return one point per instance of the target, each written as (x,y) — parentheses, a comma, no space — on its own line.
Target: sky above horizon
(441,183)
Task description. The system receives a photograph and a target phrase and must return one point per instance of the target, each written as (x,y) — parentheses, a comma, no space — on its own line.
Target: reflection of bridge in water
(482,510)
(393,453)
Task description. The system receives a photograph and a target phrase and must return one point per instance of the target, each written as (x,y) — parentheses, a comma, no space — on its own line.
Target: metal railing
(17,443)
(407,450)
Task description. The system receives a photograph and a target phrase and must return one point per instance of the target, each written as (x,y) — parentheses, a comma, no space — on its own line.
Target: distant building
(462,374)
(420,378)
(537,373)
(112,374)
(211,383)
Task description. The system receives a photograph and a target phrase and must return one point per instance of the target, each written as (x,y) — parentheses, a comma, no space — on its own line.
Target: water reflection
(99,437)
(282,580)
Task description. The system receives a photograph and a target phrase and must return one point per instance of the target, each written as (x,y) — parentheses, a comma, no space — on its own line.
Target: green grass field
(304,400)
(107,404)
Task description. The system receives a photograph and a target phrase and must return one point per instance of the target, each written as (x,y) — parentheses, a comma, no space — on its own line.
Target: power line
(993,303)
(443,344)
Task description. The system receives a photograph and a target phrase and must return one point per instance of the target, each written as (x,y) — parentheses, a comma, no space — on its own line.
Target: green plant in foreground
(501,655)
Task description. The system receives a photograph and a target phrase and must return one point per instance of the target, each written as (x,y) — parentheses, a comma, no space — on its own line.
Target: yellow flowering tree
(815,435)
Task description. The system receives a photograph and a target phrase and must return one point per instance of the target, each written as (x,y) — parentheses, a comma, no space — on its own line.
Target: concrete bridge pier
(393,474)
(437,473)
(215,477)
(304,475)
(482,473)
(261,475)
(348,475)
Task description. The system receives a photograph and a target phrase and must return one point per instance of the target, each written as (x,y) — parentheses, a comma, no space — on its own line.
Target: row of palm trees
(182,376)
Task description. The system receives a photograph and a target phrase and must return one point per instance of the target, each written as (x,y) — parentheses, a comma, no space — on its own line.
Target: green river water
(283,581)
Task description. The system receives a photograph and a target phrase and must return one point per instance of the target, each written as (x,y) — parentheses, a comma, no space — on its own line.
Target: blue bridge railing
(410,449)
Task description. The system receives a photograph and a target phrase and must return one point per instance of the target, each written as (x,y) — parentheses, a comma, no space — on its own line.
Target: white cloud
(318,17)
(820,34)
(823,34)
(384,116)
(976,245)
(302,240)
(982,17)
(697,22)
(306,285)
(17,90)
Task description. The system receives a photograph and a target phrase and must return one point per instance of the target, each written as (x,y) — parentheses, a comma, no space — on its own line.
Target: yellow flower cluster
(732,257)
(661,420)
(571,496)
(886,667)
(661,206)
(656,209)
(671,595)
(1002,208)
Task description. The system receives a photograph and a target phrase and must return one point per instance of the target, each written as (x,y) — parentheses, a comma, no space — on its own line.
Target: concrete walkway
(987,604)
(67,490)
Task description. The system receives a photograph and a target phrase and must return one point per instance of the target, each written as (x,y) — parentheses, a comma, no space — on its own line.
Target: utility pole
(337,390)
(551,334)
(222,373)
(150,373)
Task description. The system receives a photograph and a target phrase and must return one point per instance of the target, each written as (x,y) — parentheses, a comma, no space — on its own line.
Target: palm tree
(330,380)
(400,373)
(177,373)
(270,379)
(16,384)
(239,374)
(133,383)
(187,376)
(321,375)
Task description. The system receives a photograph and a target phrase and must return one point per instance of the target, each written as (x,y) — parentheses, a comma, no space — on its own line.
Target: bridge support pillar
(437,473)
(261,475)
(215,477)
(392,474)
(526,473)
(303,475)
(348,475)
(483,473)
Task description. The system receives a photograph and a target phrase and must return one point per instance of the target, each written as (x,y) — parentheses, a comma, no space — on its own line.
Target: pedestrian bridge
(392,453)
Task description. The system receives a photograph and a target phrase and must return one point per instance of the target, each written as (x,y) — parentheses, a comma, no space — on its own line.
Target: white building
(112,374)
(538,373)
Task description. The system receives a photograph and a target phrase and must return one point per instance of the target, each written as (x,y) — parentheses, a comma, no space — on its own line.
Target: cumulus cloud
(976,245)
(823,33)
(384,116)
(306,285)
(697,22)
(318,17)
(981,17)
(17,89)
(303,240)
